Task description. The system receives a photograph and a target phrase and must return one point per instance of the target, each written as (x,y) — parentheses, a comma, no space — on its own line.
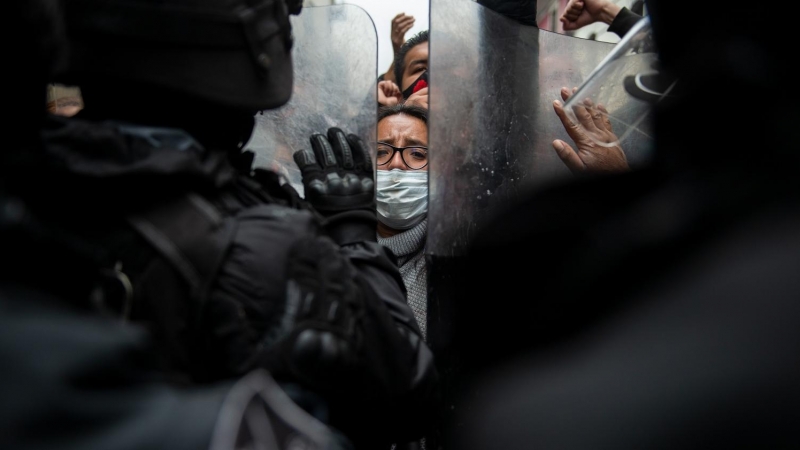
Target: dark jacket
(623,22)
(75,378)
(209,253)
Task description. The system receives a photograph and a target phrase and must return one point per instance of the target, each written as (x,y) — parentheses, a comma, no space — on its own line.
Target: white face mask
(402,197)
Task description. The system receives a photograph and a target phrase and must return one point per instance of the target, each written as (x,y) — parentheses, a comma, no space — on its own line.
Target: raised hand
(400,26)
(388,93)
(598,146)
(337,173)
(338,182)
(419,98)
(580,13)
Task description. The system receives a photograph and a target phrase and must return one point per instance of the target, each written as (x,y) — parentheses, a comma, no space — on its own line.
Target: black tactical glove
(338,340)
(338,181)
(323,348)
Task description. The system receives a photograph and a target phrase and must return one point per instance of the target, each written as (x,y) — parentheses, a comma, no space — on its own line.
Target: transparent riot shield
(492,119)
(491,131)
(628,84)
(335,71)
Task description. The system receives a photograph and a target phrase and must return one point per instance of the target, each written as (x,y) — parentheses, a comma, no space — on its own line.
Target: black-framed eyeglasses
(414,156)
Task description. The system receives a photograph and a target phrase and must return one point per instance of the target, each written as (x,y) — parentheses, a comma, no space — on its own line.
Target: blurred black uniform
(76,378)
(656,308)
(229,270)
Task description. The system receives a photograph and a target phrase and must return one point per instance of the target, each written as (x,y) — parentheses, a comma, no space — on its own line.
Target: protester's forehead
(418,52)
(402,119)
(403,126)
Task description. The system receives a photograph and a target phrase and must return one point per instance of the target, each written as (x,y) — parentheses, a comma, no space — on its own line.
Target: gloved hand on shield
(338,181)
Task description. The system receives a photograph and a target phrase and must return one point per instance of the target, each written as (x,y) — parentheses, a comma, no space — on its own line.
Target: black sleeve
(376,372)
(245,311)
(247,321)
(410,370)
(624,21)
(523,11)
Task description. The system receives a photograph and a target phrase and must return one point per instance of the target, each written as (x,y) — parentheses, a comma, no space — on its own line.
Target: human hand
(580,13)
(323,342)
(419,98)
(337,173)
(400,26)
(598,149)
(388,93)
(338,182)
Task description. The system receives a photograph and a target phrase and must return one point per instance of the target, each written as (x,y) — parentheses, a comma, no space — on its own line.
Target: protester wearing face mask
(402,196)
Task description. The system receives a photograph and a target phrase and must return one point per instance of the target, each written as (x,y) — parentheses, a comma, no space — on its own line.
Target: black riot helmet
(36,56)
(233,53)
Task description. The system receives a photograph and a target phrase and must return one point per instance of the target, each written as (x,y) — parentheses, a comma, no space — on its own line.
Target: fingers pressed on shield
(565,93)
(584,117)
(568,156)
(305,160)
(361,156)
(574,130)
(606,120)
(363,162)
(597,115)
(323,151)
(341,148)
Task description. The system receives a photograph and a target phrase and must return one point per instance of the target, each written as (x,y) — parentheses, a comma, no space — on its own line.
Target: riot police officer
(229,269)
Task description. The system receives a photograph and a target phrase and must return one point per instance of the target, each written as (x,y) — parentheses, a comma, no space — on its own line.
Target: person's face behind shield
(416,65)
(402,175)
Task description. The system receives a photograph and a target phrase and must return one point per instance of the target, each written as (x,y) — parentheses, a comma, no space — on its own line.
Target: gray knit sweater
(409,247)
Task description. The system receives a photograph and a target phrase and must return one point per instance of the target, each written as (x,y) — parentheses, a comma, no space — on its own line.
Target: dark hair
(400,57)
(411,110)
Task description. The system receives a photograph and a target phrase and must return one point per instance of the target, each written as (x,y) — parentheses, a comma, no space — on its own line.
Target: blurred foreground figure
(228,269)
(659,307)
(77,380)
(74,379)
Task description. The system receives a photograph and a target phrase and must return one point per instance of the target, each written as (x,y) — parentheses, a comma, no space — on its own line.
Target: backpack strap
(192,235)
